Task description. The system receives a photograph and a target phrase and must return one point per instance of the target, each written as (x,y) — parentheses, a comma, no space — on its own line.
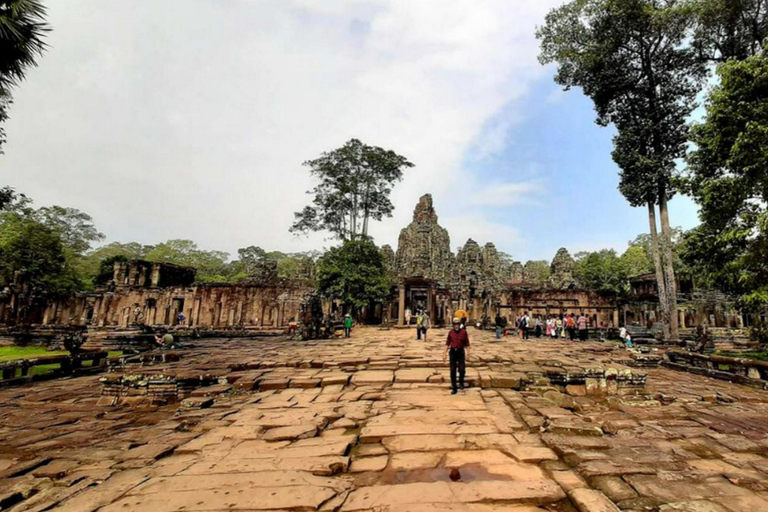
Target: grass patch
(43,369)
(759,355)
(14,352)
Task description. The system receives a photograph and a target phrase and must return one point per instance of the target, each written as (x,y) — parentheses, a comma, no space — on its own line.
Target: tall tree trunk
(669,266)
(656,254)
(353,227)
(366,211)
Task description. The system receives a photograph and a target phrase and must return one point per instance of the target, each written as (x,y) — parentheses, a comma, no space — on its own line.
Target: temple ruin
(429,277)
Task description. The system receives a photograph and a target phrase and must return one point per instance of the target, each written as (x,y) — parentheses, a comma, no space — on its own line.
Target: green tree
(537,271)
(300,265)
(601,271)
(728,178)
(353,273)
(211,265)
(354,186)
(76,228)
(7,196)
(631,58)
(730,29)
(97,264)
(27,245)
(22,33)
(636,261)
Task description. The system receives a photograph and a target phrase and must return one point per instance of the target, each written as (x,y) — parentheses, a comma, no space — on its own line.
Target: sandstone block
(373,377)
(588,500)
(267,384)
(290,433)
(369,464)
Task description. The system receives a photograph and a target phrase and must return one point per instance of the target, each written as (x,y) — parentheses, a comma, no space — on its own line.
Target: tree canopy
(22,41)
(29,246)
(728,178)
(354,273)
(634,60)
(354,186)
(730,29)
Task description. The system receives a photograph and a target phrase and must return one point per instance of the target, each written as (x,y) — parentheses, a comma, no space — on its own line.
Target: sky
(191,119)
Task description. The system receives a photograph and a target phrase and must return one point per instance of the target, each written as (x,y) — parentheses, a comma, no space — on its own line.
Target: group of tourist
(554,326)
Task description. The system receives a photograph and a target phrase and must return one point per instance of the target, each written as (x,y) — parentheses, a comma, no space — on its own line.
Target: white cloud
(507,194)
(190,118)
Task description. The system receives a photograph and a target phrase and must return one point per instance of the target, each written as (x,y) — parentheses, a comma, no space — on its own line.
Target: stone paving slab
(380,432)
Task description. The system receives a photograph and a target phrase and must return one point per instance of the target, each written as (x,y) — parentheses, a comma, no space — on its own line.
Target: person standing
(538,326)
(525,325)
(558,326)
(570,326)
(348,323)
(407,316)
(457,346)
(499,325)
(583,323)
(419,317)
(425,325)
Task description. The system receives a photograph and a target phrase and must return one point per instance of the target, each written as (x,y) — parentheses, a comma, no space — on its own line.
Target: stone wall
(203,305)
(545,302)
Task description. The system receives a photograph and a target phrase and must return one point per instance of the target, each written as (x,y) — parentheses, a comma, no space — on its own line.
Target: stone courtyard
(368,424)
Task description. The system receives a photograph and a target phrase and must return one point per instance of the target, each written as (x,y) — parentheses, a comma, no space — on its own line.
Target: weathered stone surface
(238,497)
(413,375)
(290,433)
(373,377)
(267,384)
(588,500)
(392,496)
(692,506)
(369,464)
(424,247)
(569,480)
(695,443)
(484,457)
(613,487)
(531,453)
(561,275)
(409,461)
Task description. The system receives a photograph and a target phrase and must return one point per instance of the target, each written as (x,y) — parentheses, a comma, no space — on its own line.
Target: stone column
(431,303)
(681,317)
(401,306)
(616,318)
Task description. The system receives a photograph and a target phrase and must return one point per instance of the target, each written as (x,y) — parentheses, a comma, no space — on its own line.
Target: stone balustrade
(20,371)
(740,370)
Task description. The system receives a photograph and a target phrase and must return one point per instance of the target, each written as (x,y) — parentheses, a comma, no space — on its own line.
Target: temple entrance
(416,299)
(417,294)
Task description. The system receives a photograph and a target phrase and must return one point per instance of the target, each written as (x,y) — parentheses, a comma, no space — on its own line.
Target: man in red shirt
(457,345)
